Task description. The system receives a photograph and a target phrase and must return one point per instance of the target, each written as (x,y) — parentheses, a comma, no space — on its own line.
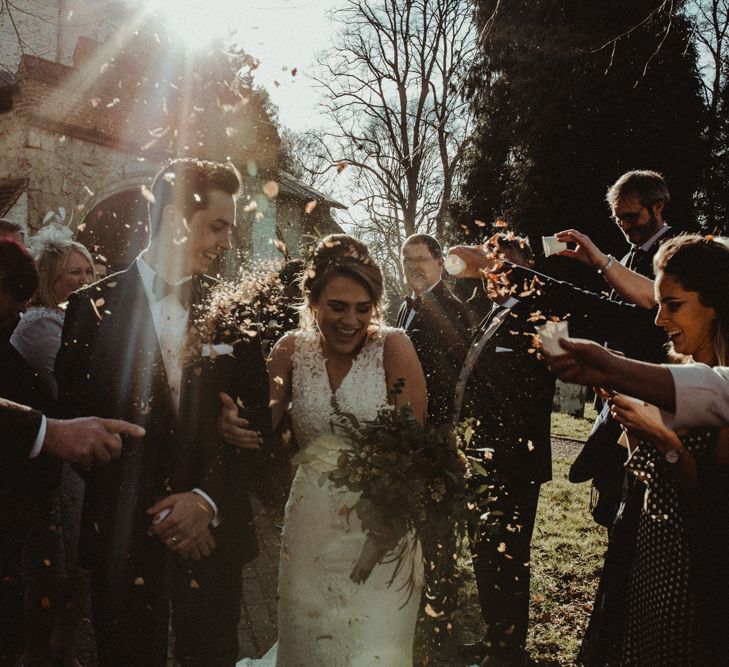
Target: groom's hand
(189,518)
(201,549)
(233,428)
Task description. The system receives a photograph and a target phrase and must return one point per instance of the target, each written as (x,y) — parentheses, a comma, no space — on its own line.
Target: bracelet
(610,261)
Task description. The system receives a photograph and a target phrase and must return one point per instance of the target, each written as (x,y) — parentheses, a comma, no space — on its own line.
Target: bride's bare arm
(279,376)
(401,363)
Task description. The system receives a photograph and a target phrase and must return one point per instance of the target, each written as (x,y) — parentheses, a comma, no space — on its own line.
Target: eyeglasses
(416,261)
(631,217)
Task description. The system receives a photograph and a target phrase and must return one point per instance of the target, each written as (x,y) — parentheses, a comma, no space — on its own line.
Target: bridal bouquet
(412,480)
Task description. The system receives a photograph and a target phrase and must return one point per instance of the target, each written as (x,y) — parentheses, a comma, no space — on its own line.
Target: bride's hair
(341,255)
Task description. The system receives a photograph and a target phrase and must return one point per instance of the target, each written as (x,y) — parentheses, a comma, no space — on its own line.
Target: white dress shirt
(411,313)
(170,319)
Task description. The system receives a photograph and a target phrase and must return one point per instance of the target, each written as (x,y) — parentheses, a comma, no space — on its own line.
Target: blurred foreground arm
(689,395)
(588,363)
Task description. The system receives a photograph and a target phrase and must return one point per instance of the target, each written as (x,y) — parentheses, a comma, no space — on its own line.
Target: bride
(342,357)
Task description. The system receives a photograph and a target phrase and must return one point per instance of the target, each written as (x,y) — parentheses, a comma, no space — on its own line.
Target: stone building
(92,105)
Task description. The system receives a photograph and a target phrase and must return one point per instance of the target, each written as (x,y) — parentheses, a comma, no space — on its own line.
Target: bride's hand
(233,428)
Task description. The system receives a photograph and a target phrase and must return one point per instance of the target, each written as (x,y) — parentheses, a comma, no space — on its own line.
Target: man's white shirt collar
(649,243)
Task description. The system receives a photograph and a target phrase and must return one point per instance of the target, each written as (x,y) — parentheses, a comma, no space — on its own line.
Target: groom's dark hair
(185,183)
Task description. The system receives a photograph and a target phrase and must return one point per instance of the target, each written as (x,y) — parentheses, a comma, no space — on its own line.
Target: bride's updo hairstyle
(341,255)
(701,264)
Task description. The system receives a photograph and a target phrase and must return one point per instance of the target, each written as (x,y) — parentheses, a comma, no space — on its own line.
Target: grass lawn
(564,426)
(567,552)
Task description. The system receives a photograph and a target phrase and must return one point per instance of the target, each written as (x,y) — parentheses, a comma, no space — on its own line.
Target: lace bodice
(363,390)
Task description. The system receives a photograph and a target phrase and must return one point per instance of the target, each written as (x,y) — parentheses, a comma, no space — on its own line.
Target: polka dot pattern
(661,623)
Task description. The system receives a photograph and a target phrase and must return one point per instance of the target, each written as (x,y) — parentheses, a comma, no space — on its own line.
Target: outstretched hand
(478,262)
(585,251)
(640,419)
(584,362)
(87,439)
(234,429)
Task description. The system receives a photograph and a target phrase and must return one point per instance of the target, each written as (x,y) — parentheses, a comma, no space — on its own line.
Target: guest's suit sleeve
(234,469)
(75,390)
(19,426)
(590,315)
(702,396)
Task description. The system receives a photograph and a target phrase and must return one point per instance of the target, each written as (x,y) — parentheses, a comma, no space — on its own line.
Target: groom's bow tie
(413,303)
(182,291)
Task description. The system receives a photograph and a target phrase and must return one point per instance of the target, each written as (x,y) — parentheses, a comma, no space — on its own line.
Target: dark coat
(110,365)
(25,484)
(440,333)
(19,426)
(510,390)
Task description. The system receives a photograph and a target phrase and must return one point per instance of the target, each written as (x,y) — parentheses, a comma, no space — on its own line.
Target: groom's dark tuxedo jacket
(439,332)
(110,365)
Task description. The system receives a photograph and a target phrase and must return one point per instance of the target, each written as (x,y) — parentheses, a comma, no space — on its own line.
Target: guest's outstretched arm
(586,362)
(631,286)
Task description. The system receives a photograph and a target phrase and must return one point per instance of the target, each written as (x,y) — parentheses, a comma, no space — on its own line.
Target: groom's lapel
(131,346)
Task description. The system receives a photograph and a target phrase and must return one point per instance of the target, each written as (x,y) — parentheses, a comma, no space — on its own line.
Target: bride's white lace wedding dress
(324,619)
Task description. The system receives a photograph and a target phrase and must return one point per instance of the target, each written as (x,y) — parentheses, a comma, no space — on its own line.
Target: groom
(170,522)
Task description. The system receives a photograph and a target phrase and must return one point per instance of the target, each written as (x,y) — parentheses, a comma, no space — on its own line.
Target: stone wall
(50,29)
(62,170)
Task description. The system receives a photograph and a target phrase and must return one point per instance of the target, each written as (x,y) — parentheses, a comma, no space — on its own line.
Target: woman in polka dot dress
(669,600)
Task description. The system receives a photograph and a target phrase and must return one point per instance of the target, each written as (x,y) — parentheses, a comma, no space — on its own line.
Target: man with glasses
(438,326)
(435,320)
(637,202)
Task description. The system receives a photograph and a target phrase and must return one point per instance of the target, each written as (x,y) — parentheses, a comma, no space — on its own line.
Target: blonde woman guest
(64,266)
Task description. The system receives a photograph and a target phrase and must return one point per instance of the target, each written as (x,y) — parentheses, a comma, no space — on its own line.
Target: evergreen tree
(569,95)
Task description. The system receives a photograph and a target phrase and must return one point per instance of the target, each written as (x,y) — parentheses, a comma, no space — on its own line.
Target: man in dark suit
(30,450)
(171,520)
(509,391)
(637,201)
(436,322)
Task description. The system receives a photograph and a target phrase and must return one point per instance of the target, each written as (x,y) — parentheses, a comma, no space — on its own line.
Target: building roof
(293,187)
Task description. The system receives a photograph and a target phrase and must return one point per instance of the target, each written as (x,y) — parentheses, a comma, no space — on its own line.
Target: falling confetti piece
(310,206)
(341,166)
(147,194)
(270,189)
(194,584)
(139,581)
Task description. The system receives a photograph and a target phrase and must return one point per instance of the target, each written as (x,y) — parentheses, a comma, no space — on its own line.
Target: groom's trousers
(131,619)
(501,563)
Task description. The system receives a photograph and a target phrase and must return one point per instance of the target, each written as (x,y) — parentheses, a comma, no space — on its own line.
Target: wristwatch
(673,455)
(610,261)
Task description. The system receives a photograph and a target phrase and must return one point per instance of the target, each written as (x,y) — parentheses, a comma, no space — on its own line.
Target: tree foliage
(392,82)
(569,95)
